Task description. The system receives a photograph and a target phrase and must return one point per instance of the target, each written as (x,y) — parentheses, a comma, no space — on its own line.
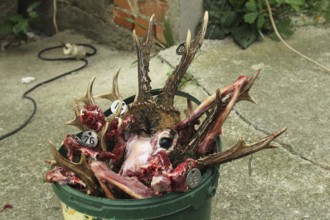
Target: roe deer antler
(241,149)
(81,169)
(143,53)
(166,98)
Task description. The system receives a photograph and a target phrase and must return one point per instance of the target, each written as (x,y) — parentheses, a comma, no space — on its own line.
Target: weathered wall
(111,21)
(139,12)
(7,7)
(107,21)
(182,15)
(92,18)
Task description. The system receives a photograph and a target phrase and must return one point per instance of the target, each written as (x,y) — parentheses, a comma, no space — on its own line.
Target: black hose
(25,95)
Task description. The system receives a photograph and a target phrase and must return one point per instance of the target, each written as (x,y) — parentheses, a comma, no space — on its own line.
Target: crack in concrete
(285,146)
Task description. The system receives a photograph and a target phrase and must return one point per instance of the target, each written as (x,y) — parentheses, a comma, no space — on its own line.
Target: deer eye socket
(165,142)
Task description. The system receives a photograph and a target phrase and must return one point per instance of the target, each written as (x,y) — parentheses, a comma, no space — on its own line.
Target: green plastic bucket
(193,204)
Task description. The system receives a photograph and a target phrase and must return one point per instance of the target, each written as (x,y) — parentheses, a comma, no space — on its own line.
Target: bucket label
(115,105)
(72,214)
(89,138)
(193,178)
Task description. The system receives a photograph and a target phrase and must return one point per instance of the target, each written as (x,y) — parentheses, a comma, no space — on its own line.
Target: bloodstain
(7,206)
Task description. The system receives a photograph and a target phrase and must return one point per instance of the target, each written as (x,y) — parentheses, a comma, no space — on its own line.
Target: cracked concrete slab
(290,91)
(273,184)
(291,182)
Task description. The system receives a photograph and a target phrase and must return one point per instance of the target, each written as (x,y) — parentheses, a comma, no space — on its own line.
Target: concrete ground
(290,182)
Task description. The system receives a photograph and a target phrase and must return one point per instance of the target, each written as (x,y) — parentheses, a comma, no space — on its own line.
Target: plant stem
(286,44)
(54,16)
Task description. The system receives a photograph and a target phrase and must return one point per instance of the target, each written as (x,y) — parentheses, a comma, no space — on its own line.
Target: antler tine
(88,98)
(166,98)
(244,95)
(143,54)
(114,94)
(241,149)
(202,32)
(81,169)
(206,126)
(103,136)
(115,88)
(76,121)
(188,39)
(149,37)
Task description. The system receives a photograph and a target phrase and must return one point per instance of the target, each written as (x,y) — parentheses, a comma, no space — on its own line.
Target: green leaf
(268,26)
(259,4)
(215,31)
(214,15)
(5,28)
(244,35)
(33,15)
(207,5)
(131,20)
(251,5)
(16,18)
(21,27)
(280,1)
(168,33)
(261,22)
(137,23)
(284,27)
(295,7)
(237,4)
(251,17)
(228,18)
(33,6)
(295,2)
